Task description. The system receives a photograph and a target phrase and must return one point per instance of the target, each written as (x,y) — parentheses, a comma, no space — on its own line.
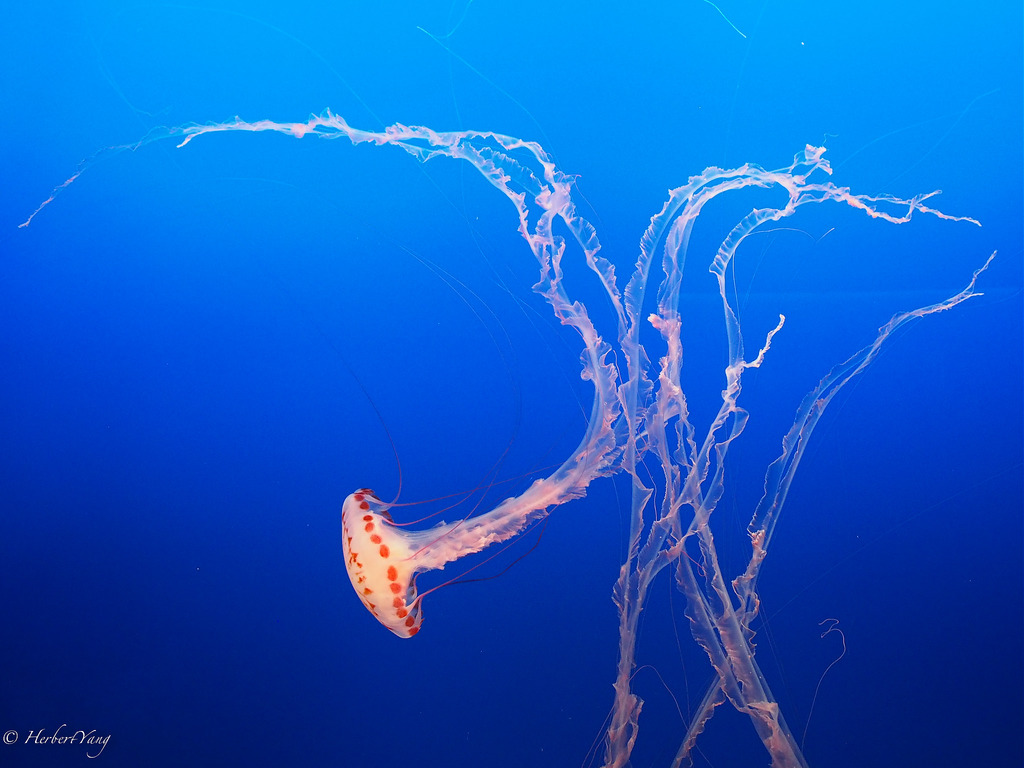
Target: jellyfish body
(383,559)
(380,562)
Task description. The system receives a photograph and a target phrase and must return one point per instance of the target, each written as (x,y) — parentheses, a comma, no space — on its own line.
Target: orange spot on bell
(392,573)
(398,603)
(384,551)
(375,539)
(369,527)
(410,621)
(401,613)
(413,631)
(367,518)
(396,588)
(364,505)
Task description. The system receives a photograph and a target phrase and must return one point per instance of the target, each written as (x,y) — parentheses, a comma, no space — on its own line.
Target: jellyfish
(639,422)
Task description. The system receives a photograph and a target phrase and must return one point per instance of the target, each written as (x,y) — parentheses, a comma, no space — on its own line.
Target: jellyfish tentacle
(639,421)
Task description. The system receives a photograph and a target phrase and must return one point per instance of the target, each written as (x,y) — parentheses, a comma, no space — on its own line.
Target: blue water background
(204,350)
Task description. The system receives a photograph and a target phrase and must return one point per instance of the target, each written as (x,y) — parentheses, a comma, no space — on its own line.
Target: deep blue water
(204,350)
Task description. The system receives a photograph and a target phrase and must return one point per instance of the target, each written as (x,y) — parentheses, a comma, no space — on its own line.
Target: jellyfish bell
(381,562)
